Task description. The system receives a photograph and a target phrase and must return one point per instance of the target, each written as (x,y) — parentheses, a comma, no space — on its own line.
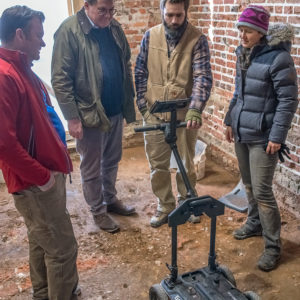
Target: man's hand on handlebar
(193,125)
(193,118)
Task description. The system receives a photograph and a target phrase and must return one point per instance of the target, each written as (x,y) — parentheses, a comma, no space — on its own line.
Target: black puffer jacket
(265,97)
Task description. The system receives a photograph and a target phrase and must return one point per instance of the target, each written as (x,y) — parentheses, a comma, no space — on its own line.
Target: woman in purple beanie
(258,119)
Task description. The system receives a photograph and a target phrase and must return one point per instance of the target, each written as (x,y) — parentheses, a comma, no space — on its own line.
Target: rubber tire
(251,295)
(157,292)
(227,274)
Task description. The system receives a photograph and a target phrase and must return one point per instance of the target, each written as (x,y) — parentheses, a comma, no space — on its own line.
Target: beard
(175,32)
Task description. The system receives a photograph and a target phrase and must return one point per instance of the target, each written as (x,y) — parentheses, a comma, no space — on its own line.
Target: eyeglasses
(104,11)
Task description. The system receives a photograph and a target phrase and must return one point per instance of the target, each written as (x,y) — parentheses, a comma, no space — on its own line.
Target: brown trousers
(159,154)
(52,245)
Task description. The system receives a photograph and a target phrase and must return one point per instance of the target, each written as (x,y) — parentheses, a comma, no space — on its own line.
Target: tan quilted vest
(170,78)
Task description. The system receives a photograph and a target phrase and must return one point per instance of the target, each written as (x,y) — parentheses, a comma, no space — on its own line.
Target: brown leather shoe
(121,209)
(106,223)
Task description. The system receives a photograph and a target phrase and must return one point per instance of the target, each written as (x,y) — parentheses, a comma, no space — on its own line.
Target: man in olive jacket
(92,80)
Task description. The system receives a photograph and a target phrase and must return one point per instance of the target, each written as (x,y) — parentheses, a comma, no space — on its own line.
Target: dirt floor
(124,265)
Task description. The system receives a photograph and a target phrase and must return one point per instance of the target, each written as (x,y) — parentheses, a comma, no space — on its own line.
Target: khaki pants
(52,245)
(257,169)
(159,153)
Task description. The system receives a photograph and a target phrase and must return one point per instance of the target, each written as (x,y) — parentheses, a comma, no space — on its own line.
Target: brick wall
(217,20)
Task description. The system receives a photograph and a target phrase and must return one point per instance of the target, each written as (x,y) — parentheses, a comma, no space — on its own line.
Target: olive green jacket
(77,73)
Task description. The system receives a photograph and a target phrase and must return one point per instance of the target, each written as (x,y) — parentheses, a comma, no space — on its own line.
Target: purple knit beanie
(255,17)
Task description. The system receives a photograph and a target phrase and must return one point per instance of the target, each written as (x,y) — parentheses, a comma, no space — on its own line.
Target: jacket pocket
(89,114)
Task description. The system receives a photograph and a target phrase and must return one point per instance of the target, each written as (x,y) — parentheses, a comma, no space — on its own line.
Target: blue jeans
(100,154)
(257,170)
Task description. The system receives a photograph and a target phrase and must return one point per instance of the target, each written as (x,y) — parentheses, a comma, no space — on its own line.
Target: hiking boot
(246,232)
(192,219)
(106,223)
(121,209)
(159,219)
(77,290)
(268,261)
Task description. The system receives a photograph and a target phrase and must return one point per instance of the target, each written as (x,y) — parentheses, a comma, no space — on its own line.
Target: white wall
(55,12)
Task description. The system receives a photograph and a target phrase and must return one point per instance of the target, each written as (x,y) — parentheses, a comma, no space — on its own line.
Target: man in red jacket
(34,158)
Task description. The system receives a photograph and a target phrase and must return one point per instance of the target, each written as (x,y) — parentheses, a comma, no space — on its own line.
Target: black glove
(284,150)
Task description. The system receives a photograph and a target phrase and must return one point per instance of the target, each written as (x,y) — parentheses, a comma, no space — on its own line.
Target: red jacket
(29,144)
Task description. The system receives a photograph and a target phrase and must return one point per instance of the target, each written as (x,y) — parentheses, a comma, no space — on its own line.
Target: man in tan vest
(173,63)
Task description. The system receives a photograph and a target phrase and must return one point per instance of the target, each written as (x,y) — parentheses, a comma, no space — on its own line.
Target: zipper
(41,86)
(30,149)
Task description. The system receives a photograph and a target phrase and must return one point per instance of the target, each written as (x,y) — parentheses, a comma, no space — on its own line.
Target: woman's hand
(229,134)
(272,147)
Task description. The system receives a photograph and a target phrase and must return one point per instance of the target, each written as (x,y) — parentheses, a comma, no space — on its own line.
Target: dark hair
(92,2)
(17,17)
(186,3)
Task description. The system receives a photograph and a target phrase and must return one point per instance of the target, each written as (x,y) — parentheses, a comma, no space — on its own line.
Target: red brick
(295,158)
(297,41)
(231,57)
(216,120)
(231,33)
(218,135)
(130,31)
(294,20)
(203,16)
(220,61)
(296,61)
(219,47)
(296,10)
(275,1)
(225,16)
(131,4)
(230,65)
(288,10)
(137,37)
(142,11)
(217,76)
(227,79)
(297,168)
(140,24)
(278,19)
(294,51)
